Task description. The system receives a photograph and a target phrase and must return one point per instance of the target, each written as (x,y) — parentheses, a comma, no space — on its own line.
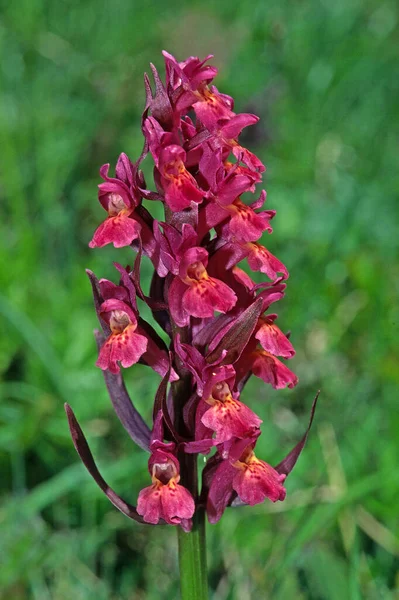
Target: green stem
(192,560)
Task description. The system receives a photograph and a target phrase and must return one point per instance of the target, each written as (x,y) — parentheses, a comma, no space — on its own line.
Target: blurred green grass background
(324,77)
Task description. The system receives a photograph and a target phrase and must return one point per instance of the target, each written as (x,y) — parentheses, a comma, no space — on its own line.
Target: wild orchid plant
(216,317)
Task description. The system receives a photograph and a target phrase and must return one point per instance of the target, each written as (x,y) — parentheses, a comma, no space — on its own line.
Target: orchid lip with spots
(216,326)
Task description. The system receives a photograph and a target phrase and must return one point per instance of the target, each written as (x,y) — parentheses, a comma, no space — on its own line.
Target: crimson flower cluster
(217,321)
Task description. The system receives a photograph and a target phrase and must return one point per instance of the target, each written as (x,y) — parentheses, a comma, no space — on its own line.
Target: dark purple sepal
(188,215)
(129,282)
(186,525)
(98,300)
(198,446)
(189,412)
(132,277)
(201,137)
(217,484)
(82,448)
(210,330)
(238,335)
(158,436)
(242,381)
(156,355)
(160,397)
(159,104)
(160,315)
(288,463)
(161,407)
(123,406)
(140,174)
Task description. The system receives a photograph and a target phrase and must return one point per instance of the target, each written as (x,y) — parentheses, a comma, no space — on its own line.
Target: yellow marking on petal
(165,474)
(117,206)
(197,272)
(119,321)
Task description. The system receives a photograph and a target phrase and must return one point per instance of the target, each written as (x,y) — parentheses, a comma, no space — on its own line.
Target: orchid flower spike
(217,326)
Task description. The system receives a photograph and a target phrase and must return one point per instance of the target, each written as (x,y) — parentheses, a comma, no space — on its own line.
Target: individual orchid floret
(221,138)
(172,245)
(258,257)
(155,354)
(245,224)
(273,371)
(178,184)
(247,157)
(212,107)
(157,138)
(224,181)
(119,198)
(270,292)
(165,499)
(206,372)
(194,293)
(268,368)
(219,410)
(226,134)
(272,339)
(194,71)
(210,380)
(240,220)
(225,415)
(255,480)
(184,78)
(242,170)
(236,471)
(124,345)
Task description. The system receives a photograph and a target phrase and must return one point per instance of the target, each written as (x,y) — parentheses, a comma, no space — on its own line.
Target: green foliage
(324,77)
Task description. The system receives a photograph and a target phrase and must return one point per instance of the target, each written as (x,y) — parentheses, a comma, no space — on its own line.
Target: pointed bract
(82,448)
